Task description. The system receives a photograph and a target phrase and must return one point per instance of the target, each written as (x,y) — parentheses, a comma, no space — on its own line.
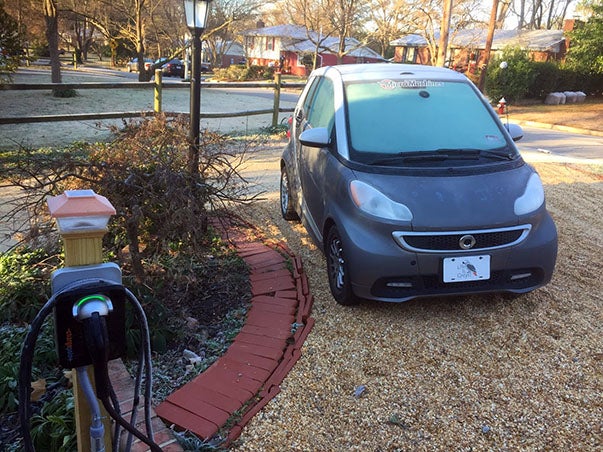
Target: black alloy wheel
(337,269)
(287,210)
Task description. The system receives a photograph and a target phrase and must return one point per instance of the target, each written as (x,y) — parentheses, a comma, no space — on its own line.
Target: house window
(409,55)
(270,42)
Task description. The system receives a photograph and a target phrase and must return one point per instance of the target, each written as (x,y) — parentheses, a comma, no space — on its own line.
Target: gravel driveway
(473,373)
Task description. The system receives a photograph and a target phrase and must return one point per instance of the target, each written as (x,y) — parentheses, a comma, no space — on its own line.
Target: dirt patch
(587,115)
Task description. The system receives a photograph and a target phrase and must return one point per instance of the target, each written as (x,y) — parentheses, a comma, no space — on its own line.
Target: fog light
(520,276)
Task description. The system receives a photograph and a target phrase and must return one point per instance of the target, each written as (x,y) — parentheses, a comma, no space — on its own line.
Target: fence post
(277,98)
(158,81)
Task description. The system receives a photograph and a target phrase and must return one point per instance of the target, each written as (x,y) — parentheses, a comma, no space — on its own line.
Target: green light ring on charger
(85,306)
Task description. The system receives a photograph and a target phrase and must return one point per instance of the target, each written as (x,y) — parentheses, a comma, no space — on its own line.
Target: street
(553,145)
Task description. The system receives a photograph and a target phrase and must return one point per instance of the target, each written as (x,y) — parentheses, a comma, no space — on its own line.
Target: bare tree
(390,22)
(426,18)
(539,14)
(80,30)
(226,20)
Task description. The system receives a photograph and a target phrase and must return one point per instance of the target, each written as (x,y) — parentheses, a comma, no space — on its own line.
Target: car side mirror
(515,131)
(318,137)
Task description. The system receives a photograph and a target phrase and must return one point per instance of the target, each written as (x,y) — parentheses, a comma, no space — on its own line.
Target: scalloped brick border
(249,374)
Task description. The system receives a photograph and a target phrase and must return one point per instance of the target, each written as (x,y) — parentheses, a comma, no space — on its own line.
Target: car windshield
(398,118)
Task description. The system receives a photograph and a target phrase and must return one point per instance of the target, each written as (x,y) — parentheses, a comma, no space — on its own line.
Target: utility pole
(444,33)
(489,39)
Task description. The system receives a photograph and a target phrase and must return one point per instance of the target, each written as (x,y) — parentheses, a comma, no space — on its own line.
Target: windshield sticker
(491,138)
(390,85)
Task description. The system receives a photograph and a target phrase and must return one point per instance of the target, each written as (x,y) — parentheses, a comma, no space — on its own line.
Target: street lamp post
(196,12)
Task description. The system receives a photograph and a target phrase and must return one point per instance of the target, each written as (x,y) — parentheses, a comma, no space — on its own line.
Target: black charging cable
(96,338)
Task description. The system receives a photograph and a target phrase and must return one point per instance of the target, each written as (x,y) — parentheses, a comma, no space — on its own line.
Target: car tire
(287,210)
(337,269)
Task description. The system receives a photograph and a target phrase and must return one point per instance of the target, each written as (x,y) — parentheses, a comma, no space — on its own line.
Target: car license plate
(466,268)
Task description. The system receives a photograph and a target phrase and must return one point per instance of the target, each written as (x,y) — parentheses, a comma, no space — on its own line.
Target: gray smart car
(407,180)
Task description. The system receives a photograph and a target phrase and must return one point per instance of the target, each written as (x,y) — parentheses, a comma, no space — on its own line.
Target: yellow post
(82,218)
(157,102)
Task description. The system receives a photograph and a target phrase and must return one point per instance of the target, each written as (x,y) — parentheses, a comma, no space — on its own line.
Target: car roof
(351,72)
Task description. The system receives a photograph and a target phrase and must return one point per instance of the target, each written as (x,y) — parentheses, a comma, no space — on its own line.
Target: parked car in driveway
(410,184)
(173,68)
(132,65)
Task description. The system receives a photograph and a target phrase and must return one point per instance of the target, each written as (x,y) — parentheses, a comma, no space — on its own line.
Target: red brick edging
(249,374)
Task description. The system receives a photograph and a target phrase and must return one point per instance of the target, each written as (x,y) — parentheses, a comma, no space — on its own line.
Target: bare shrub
(160,206)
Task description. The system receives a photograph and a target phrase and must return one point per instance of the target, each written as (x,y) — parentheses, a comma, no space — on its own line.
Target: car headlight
(373,202)
(532,197)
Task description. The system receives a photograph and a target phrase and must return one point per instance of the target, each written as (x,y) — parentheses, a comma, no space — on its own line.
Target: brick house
(291,48)
(466,47)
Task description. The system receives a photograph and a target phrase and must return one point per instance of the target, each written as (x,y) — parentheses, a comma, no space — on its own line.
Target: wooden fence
(157,86)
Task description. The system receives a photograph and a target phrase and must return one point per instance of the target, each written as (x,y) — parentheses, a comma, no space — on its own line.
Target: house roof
(543,40)
(410,40)
(539,40)
(283,31)
(331,45)
(296,38)
(230,48)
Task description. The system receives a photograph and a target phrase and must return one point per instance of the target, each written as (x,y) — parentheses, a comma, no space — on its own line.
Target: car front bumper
(380,269)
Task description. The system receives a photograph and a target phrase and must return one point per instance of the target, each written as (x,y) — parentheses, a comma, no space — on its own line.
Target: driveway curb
(561,128)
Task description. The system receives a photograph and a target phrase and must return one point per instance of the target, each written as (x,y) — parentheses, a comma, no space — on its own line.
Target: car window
(392,117)
(322,110)
(310,96)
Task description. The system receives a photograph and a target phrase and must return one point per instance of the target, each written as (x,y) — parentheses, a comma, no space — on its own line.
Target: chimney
(568,24)
(260,24)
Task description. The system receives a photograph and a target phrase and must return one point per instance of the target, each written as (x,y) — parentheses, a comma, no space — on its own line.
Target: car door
(319,112)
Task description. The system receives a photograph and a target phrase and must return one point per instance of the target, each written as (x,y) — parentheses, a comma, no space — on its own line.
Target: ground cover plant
(166,236)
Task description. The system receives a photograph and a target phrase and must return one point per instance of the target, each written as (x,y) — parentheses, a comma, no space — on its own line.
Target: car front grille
(445,242)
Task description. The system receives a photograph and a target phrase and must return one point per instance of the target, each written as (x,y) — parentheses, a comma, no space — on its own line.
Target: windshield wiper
(500,154)
(404,157)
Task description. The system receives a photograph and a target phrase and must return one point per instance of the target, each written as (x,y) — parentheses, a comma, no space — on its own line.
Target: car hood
(456,201)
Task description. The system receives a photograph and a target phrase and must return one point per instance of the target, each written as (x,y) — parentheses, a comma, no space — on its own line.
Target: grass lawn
(588,115)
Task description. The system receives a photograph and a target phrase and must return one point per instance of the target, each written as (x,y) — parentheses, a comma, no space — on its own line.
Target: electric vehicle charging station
(89,303)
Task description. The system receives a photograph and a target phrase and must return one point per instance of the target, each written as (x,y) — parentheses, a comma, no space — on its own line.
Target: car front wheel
(337,269)
(287,210)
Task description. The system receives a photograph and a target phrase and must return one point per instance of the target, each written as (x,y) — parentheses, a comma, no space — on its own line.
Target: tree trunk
(52,36)
(444,32)
(489,39)
(143,74)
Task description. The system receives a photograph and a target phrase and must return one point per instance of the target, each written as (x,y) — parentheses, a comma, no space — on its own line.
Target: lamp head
(196,12)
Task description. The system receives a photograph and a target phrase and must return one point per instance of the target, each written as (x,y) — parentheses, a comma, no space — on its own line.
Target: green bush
(546,80)
(524,78)
(240,73)
(54,427)
(25,287)
(512,82)
(11,342)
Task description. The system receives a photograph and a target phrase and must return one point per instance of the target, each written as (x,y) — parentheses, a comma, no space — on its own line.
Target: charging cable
(91,311)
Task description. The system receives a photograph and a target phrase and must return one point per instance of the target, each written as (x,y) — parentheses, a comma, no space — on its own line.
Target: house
(225,53)
(292,47)
(466,47)
(411,49)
